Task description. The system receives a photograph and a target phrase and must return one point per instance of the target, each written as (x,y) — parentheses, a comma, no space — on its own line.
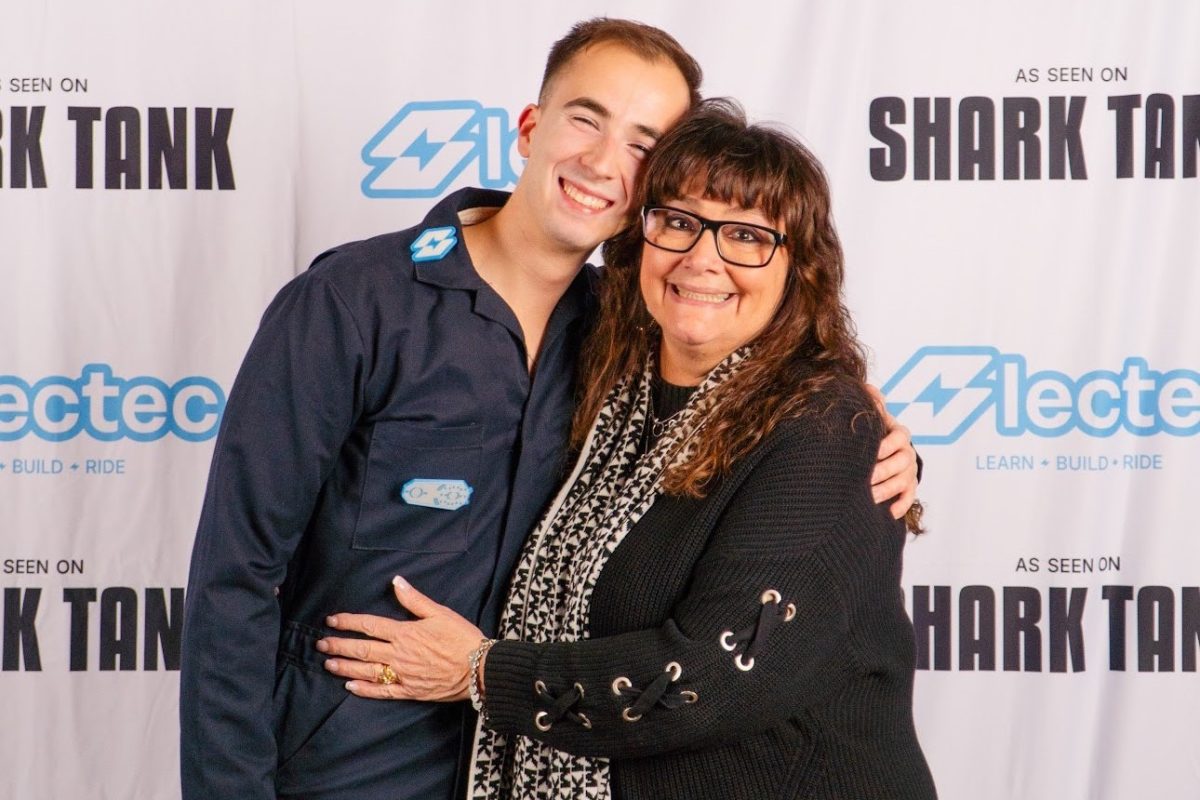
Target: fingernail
(351,685)
(331,621)
(400,583)
(331,664)
(322,645)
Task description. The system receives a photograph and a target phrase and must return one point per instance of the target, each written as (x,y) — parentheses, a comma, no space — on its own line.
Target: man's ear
(525,125)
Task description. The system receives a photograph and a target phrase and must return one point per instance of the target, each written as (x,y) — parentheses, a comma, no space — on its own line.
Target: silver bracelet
(475,686)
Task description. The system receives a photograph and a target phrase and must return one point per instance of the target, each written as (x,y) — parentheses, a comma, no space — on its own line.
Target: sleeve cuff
(508,704)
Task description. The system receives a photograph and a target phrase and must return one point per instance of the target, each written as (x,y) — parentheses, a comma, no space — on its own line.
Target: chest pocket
(417,492)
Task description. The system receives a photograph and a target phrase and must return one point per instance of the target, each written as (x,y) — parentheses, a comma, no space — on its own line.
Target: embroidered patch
(440,493)
(433,244)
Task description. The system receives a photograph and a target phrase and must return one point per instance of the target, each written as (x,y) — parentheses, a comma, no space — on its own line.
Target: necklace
(654,427)
(659,426)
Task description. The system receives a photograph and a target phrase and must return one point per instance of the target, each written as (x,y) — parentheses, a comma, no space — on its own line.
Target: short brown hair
(650,43)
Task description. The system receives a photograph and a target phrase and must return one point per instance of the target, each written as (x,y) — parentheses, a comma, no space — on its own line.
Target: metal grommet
(791,612)
(689,696)
(625,715)
(540,687)
(769,595)
(744,666)
(725,641)
(579,688)
(584,721)
(538,721)
(674,669)
(621,683)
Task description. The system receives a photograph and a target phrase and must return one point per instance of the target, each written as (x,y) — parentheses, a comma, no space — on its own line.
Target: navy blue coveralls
(388,370)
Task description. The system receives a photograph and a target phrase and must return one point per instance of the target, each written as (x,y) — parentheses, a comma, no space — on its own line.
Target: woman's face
(707,307)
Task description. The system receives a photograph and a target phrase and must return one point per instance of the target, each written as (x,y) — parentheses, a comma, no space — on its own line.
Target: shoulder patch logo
(433,244)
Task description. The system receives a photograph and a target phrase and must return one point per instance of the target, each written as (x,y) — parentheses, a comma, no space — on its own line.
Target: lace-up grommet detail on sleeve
(564,705)
(661,691)
(772,614)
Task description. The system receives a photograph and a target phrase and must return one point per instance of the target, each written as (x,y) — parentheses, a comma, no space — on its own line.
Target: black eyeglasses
(739,243)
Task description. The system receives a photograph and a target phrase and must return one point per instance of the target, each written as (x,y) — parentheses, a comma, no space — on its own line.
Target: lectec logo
(942,391)
(108,408)
(428,144)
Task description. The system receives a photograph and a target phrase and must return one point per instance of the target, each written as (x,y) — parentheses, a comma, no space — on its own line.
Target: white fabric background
(1071,275)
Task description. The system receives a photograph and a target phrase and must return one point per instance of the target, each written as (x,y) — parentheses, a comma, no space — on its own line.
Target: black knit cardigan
(826,709)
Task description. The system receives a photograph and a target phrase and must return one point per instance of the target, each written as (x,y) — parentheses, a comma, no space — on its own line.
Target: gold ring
(386,675)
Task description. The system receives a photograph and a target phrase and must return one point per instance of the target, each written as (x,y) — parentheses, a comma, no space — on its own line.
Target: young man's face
(586,142)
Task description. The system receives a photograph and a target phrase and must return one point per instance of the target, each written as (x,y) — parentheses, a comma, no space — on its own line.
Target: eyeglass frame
(713,225)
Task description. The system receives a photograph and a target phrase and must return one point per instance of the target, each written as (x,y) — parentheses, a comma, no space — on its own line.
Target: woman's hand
(428,656)
(895,474)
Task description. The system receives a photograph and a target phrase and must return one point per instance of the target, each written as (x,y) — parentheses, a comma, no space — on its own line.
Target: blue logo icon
(440,493)
(428,144)
(433,244)
(942,391)
(108,408)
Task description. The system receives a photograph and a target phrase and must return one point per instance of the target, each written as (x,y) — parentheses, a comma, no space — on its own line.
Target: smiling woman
(712,603)
(709,296)
(696,307)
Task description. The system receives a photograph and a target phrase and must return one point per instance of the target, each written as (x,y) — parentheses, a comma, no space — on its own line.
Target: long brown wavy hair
(808,344)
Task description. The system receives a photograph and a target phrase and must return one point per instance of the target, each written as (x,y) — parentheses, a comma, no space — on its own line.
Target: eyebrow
(599,110)
(764,220)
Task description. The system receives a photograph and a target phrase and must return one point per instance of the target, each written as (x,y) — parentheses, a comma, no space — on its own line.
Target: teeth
(584,199)
(703,298)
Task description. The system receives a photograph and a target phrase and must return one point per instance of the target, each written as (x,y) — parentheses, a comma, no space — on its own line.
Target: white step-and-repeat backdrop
(1016,185)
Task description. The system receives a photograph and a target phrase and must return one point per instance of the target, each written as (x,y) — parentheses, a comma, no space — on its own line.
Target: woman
(711,606)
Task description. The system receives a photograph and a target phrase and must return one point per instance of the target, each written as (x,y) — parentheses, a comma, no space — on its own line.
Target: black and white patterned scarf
(610,489)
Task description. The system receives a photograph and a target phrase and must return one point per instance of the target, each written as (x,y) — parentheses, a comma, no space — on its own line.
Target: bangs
(732,164)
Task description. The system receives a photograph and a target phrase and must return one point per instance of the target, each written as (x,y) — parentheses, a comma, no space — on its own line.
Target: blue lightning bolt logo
(433,244)
(936,395)
(427,145)
(941,391)
(422,149)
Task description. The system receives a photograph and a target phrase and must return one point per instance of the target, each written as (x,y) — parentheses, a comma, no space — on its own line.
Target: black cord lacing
(771,615)
(656,693)
(556,708)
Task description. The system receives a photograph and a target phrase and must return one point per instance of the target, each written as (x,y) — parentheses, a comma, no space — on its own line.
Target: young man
(403,409)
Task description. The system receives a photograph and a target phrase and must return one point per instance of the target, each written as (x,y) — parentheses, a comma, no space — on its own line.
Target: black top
(825,711)
(666,400)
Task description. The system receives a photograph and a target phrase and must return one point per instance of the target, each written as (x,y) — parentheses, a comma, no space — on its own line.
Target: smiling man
(404,409)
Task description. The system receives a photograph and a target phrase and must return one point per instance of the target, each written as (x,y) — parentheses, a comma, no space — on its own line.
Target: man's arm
(293,404)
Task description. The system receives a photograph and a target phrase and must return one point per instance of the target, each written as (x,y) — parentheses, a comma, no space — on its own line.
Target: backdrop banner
(1016,189)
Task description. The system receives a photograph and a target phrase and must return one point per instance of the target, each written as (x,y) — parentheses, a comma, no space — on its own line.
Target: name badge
(440,493)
